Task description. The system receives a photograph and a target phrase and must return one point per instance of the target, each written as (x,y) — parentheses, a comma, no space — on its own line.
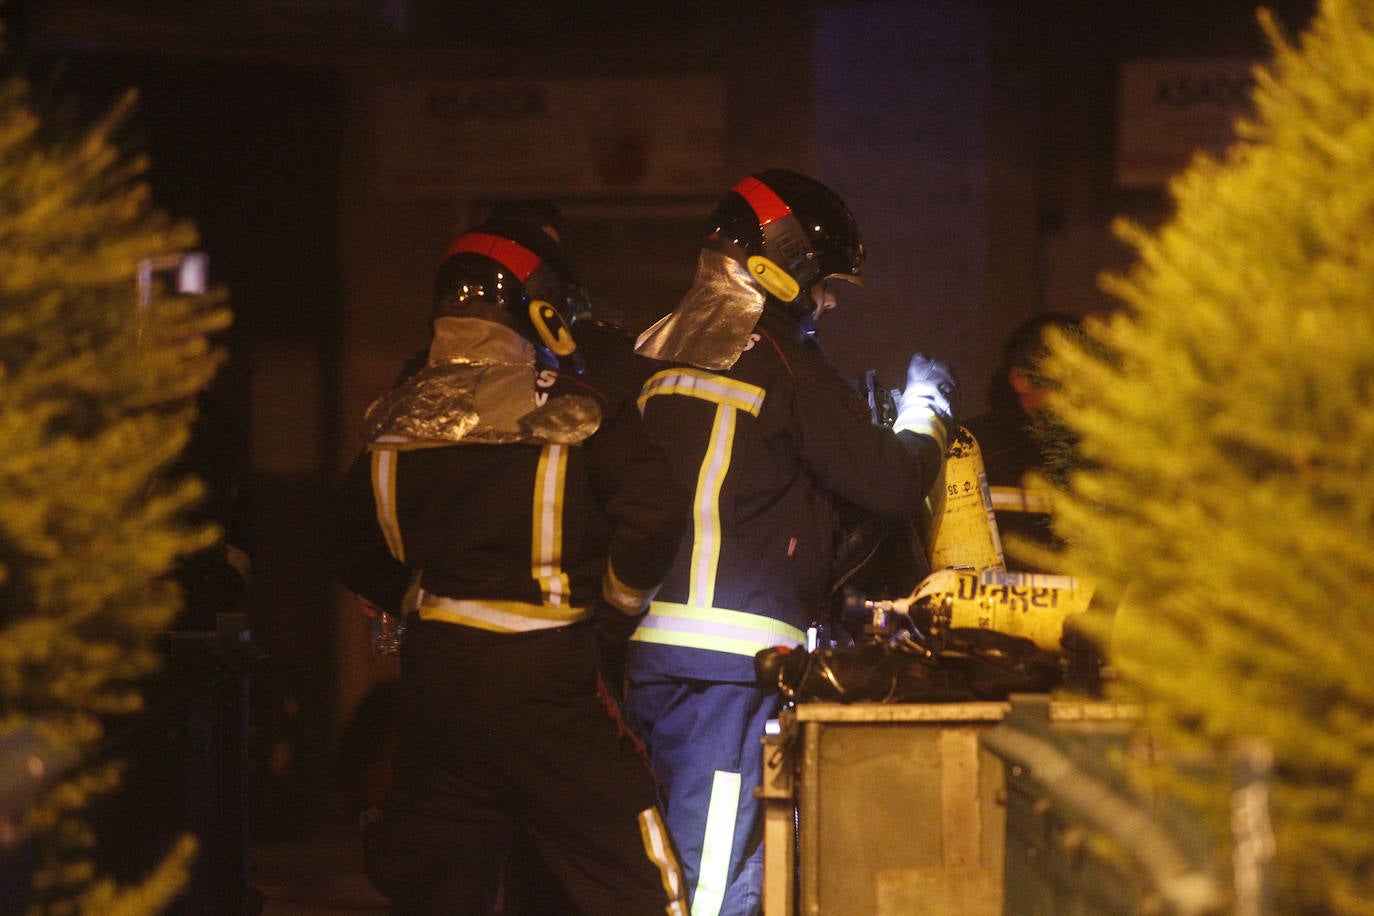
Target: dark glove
(613,628)
(928,403)
(210,585)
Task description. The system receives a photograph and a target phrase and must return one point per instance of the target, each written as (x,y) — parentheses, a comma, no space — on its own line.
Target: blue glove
(927,404)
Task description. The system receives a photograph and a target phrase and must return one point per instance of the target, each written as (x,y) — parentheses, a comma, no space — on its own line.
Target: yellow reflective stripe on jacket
(708,386)
(624,597)
(717,629)
(546,538)
(730,396)
(499,616)
(384,495)
(1015,499)
(706,539)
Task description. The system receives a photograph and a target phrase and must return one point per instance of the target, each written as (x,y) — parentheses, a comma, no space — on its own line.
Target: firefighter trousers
(499,731)
(705,744)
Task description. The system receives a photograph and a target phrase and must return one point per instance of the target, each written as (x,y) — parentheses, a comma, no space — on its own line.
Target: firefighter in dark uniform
(514,474)
(772,440)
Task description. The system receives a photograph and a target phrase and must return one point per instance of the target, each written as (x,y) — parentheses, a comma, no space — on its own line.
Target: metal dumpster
(883,808)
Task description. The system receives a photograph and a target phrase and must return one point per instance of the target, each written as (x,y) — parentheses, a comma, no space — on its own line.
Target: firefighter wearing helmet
(511,473)
(772,440)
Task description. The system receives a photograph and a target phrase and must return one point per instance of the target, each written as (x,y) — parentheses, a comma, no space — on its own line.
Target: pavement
(320,876)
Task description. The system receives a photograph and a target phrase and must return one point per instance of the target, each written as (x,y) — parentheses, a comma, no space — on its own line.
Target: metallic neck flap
(710,327)
(478,387)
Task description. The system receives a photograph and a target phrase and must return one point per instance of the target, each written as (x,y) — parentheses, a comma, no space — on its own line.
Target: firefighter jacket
(517,494)
(771,447)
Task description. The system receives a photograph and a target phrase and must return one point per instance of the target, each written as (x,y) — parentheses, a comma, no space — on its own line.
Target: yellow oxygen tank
(1031,605)
(963,530)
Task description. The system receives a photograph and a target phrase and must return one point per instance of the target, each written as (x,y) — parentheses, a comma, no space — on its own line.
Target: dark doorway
(249,151)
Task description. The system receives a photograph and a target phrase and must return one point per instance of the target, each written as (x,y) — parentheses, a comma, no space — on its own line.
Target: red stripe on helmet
(515,257)
(766,204)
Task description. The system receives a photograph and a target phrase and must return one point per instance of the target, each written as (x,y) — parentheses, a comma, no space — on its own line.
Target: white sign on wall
(1170,108)
(536,137)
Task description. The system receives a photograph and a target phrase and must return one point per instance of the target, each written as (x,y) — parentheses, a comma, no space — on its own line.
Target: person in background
(770,438)
(1007,438)
(513,472)
(213,580)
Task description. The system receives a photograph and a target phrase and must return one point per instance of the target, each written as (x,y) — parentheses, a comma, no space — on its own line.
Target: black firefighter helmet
(514,272)
(790,231)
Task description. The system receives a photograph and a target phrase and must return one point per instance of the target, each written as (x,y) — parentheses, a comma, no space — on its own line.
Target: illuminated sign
(1169,109)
